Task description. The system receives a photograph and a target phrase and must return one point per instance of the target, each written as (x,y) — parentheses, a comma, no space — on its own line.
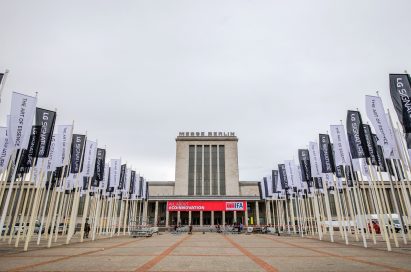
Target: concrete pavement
(204,252)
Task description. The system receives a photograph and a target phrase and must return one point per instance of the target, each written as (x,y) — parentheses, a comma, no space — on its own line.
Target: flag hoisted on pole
(21,119)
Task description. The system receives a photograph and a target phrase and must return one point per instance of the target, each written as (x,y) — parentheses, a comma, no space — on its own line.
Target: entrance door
(195,218)
(184,218)
(206,218)
(218,218)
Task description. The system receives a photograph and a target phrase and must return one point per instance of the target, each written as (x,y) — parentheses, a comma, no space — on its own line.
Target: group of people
(234,227)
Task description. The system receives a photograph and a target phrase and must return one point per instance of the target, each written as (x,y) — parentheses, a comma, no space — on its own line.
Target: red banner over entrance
(183,205)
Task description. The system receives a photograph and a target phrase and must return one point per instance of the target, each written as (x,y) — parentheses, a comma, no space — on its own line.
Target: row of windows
(206,170)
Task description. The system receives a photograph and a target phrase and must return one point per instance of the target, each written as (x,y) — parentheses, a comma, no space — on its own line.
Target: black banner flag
(305,165)
(45,119)
(99,167)
(326,154)
(77,150)
(356,137)
(122,176)
(283,176)
(274,174)
(372,149)
(400,89)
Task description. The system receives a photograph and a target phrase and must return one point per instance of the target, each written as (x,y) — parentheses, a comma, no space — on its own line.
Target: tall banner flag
(127,182)
(5,148)
(356,137)
(115,165)
(400,89)
(269,186)
(51,160)
(326,154)
(99,167)
(372,150)
(45,119)
(283,176)
(376,114)
(305,165)
(265,187)
(340,145)
(133,185)
(291,175)
(77,150)
(89,158)
(21,119)
(123,170)
(104,182)
(28,156)
(274,174)
(145,189)
(315,162)
(64,135)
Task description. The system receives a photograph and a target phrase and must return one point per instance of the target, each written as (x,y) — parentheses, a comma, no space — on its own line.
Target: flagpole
(34,208)
(3,83)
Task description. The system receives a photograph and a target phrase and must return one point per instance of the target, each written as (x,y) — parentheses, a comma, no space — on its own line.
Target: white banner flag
(340,144)
(291,175)
(63,143)
(89,158)
(127,181)
(300,183)
(269,186)
(115,165)
(5,149)
(51,160)
(23,108)
(376,114)
(315,159)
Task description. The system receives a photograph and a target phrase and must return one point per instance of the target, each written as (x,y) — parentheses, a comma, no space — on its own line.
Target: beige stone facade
(212,160)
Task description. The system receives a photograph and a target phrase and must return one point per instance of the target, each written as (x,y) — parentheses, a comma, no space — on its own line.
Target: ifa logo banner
(193,205)
(234,206)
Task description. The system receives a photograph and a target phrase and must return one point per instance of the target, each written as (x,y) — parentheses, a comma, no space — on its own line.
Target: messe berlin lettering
(206,134)
(206,205)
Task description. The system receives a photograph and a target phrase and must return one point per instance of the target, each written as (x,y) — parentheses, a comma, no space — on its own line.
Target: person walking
(86,229)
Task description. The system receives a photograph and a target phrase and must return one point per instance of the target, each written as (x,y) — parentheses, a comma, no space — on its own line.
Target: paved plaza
(205,252)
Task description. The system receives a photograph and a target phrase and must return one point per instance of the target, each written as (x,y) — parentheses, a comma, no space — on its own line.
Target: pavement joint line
(263,264)
(151,263)
(354,259)
(71,256)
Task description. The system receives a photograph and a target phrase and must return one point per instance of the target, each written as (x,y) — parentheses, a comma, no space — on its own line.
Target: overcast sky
(135,73)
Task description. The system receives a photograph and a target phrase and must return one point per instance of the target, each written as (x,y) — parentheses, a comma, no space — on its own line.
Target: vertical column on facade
(235,217)
(145,212)
(268,211)
(167,218)
(201,218)
(246,215)
(212,218)
(223,217)
(178,218)
(189,217)
(156,214)
(257,214)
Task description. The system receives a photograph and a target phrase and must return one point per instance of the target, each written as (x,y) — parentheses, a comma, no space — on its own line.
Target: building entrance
(195,218)
(218,218)
(206,218)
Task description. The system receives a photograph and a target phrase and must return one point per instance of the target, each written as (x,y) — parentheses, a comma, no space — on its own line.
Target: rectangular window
(221,158)
(199,170)
(206,170)
(191,155)
(214,181)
